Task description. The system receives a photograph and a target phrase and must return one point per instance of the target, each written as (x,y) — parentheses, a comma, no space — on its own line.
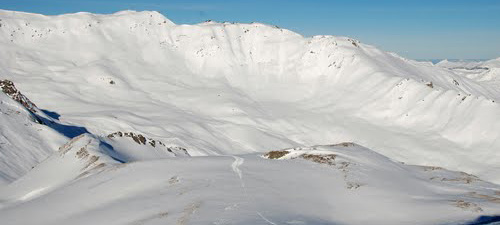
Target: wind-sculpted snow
(80,157)
(224,88)
(141,121)
(336,184)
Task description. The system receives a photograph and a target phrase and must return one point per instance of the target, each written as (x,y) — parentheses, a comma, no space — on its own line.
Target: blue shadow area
(111,152)
(69,131)
(53,115)
(485,220)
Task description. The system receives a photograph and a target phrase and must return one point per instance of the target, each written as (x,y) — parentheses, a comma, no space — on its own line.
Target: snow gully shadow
(50,118)
(69,131)
(52,114)
(485,220)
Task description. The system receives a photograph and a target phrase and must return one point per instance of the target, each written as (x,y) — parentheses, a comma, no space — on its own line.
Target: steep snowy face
(28,135)
(24,142)
(219,88)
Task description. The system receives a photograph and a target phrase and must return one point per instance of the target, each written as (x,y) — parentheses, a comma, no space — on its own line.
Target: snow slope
(76,158)
(24,142)
(222,88)
(173,124)
(29,135)
(219,88)
(337,184)
(485,72)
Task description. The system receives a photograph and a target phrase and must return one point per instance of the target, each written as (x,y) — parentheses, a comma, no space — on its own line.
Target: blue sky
(418,29)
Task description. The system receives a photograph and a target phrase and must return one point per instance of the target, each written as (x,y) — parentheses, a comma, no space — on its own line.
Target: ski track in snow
(238,161)
(326,89)
(264,100)
(265,219)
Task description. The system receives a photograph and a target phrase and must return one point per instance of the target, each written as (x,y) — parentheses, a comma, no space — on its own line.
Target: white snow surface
(223,88)
(485,72)
(23,141)
(358,187)
(217,96)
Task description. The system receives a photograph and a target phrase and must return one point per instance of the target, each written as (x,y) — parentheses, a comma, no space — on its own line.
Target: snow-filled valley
(129,118)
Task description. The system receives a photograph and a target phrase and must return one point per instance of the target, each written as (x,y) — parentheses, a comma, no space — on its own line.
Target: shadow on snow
(69,131)
(485,220)
(52,114)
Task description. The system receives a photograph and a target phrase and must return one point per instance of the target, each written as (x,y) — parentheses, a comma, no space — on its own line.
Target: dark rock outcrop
(10,89)
(141,140)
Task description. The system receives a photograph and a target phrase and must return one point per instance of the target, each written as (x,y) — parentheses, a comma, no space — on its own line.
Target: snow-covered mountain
(142,95)
(485,72)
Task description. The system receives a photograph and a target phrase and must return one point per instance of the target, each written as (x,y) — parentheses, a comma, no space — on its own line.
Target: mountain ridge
(239,88)
(130,119)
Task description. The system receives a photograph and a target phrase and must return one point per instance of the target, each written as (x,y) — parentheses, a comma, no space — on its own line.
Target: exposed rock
(469,206)
(138,138)
(351,185)
(355,43)
(141,140)
(489,198)
(431,168)
(275,154)
(173,180)
(10,89)
(309,154)
(82,153)
(343,144)
(176,150)
(463,178)
(323,159)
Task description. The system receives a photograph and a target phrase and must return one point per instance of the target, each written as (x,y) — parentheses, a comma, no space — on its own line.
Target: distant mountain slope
(485,72)
(223,88)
